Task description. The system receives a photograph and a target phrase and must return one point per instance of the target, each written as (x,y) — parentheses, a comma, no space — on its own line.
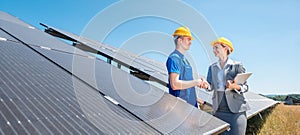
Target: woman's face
(219,50)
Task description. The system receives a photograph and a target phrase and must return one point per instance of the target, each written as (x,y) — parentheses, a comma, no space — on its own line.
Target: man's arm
(177,84)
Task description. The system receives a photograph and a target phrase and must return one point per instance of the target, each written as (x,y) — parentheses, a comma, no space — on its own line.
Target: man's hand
(204,83)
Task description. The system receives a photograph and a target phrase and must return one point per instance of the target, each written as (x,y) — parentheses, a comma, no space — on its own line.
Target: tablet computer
(242,77)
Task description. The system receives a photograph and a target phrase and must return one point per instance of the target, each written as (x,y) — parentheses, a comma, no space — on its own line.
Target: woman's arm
(241,88)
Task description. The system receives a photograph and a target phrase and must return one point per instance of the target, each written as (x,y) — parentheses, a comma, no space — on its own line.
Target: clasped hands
(202,83)
(230,84)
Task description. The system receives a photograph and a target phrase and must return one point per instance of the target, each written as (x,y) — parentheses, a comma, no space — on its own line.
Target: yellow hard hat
(223,41)
(183,31)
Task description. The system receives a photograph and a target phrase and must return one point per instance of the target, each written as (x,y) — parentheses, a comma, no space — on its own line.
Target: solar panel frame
(4,36)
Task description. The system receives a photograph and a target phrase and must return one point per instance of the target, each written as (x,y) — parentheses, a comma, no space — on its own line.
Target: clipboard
(242,77)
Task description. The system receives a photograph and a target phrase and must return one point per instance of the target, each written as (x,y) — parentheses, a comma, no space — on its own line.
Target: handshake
(202,83)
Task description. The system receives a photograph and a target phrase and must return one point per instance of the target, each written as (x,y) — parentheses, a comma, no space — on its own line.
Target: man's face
(185,42)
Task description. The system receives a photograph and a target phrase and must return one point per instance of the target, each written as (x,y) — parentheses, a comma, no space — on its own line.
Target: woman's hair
(228,49)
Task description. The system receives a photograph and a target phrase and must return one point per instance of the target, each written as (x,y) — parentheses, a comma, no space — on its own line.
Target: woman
(228,100)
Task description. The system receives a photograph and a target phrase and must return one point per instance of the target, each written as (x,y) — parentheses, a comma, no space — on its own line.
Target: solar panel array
(257,102)
(155,69)
(41,94)
(37,96)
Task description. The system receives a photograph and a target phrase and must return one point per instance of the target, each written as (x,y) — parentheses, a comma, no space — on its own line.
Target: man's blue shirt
(177,63)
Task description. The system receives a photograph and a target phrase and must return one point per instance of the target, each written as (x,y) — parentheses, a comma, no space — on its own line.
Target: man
(181,82)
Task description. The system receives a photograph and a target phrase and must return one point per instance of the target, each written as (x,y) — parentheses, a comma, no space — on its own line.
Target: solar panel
(153,105)
(38,97)
(157,70)
(257,103)
(4,37)
(167,114)
(7,17)
(35,37)
(106,84)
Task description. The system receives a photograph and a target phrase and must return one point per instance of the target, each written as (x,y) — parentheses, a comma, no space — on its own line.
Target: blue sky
(265,34)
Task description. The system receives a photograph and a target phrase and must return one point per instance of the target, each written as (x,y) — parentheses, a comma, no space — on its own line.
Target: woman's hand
(231,84)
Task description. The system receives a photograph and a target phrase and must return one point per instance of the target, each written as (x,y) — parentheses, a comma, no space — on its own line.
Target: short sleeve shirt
(178,64)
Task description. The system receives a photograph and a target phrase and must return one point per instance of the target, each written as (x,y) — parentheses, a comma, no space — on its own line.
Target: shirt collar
(228,62)
(179,53)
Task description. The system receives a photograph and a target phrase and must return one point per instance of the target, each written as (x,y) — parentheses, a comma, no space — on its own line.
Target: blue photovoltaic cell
(38,97)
